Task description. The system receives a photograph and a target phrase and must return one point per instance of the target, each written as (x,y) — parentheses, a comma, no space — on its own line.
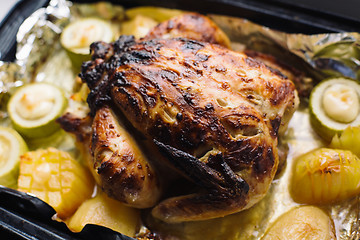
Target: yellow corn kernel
(106,212)
(56,178)
(325,176)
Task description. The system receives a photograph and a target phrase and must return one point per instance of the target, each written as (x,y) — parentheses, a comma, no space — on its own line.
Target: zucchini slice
(78,35)
(334,105)
(34,108)
(11,147)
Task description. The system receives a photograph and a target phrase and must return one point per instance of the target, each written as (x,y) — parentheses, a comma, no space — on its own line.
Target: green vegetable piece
(34,108)
(77,37)
(12,146)
(334,105)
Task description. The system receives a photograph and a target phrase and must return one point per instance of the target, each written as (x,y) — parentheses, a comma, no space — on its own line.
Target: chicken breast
(215,115)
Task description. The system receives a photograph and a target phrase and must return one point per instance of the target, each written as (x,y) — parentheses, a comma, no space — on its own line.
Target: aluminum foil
(40,57)
(322,55)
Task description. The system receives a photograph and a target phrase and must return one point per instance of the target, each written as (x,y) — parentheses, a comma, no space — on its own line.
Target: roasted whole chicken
(214,115)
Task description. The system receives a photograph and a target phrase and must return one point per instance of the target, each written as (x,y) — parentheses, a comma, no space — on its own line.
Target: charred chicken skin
(214,114)
(118,164)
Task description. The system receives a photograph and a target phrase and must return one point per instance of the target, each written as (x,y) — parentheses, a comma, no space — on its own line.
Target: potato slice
(139,26)
(306,222)
(56,178)
(106,212)
(157,13)
(349,139)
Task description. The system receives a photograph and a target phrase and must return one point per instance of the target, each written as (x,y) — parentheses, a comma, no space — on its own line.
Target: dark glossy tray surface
(26,217)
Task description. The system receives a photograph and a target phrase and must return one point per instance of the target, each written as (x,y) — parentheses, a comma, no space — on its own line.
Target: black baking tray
(26,217)
(23,216)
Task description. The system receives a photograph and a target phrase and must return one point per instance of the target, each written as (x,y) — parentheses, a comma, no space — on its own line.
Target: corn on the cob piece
(56,178)
(106,212)
(325,176)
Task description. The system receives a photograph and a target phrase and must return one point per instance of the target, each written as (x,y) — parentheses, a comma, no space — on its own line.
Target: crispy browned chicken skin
(121,167)
(190,25)
(214,113)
